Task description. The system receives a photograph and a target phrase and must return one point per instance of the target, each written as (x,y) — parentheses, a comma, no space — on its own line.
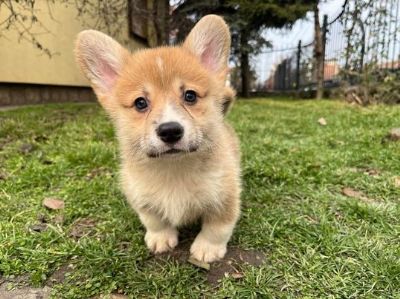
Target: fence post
(298,66)
(284,69)
(318,55)
(324,39)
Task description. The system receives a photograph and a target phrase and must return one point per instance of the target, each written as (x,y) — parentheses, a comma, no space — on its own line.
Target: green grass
(318,242)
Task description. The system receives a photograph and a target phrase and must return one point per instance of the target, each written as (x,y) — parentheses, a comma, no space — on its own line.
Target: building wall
(21,62)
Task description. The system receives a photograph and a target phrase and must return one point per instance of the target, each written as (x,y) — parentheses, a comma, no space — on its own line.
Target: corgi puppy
(180,161)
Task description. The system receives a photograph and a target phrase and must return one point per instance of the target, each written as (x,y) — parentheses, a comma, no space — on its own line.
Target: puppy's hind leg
(160,236)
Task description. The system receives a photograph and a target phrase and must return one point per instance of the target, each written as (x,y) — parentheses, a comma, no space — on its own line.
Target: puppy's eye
(190,96)
(140,104)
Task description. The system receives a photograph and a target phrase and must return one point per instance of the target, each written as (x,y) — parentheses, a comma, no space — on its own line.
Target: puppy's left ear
(210,41)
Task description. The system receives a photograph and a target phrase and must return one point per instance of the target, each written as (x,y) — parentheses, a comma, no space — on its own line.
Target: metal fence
(364,36)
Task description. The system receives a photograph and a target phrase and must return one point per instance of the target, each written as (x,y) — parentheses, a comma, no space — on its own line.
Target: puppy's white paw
(205,251)
(161,241)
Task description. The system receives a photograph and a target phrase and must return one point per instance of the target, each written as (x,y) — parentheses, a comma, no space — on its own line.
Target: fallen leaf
(113,296)
(237,275)
(394,134)
(352,193)
(322,121)
(357,194)
(53,203)
(397,181)
(372,172)
(200,264)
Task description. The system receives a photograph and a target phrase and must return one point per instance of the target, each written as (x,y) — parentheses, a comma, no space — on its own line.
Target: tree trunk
(162,22)
(318,54)
(158,22)
(244,64)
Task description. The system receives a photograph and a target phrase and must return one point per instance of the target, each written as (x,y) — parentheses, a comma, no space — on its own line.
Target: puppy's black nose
(170,132)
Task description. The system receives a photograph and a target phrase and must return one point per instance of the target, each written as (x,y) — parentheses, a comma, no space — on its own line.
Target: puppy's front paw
(205,251)
(161,241)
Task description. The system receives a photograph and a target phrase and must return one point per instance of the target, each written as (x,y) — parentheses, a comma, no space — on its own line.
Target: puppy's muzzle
(170,132)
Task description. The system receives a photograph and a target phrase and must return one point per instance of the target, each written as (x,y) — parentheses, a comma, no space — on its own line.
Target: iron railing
(365,35)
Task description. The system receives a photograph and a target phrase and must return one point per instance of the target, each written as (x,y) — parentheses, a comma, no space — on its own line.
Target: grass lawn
(318,242)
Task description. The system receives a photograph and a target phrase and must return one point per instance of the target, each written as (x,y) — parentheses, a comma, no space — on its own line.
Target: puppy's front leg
(210,243)
(160,236)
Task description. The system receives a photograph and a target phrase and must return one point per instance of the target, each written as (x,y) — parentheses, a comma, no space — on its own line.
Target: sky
(283,39)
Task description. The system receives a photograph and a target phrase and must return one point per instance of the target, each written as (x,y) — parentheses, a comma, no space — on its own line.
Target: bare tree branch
(23,18)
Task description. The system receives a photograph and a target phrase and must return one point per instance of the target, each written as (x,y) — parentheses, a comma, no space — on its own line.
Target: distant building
(27,75)
(395,64)
(283,76)
(270,82)
(331,70)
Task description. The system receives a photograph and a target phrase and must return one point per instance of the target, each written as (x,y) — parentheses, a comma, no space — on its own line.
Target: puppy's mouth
(171,152)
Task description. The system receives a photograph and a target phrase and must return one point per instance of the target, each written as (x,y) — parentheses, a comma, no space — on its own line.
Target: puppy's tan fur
(168,191)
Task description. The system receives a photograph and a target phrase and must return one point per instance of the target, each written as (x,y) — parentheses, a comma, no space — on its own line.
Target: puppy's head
(167,101)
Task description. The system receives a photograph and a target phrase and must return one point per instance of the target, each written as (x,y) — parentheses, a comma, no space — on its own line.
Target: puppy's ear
(101,59)
(210,40)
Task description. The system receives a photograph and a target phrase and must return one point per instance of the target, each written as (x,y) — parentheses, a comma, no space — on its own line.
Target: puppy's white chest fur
(178,193)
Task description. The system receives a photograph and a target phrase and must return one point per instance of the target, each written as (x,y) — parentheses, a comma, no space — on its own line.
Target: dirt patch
(40,138)
(38,228)
(58,219)
(99,171)
(24,293)
(5,141)
(17,287)
(376,203)
(82,227)
(350,192)
(15,281)
(180,253)
(27,148)
(231,265)
(366,171)
(111,296)
(43,222)
(3,175)
(59,275)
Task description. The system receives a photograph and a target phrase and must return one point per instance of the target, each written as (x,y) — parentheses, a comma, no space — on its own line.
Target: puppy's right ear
(101,59)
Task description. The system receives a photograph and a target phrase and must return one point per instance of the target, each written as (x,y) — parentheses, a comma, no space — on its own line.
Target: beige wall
(21,62)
